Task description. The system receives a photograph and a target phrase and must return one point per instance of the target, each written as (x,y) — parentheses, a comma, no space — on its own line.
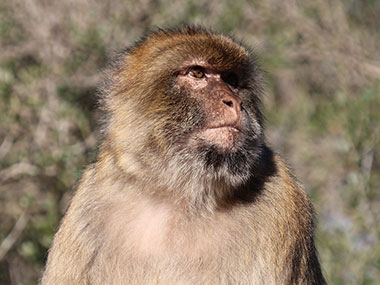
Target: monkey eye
(231,78)
(197,72)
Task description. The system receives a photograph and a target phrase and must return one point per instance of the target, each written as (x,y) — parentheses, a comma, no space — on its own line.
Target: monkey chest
(155,249)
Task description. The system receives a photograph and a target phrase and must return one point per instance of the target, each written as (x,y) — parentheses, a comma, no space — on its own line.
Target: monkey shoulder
(277,198)
(285,187)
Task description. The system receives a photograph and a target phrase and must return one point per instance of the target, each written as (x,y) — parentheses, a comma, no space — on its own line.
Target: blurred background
(322,108)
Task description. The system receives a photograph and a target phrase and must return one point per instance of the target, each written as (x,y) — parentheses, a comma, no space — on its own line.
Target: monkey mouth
(224,137)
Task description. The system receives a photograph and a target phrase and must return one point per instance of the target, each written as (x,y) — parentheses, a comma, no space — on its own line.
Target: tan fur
(150,212)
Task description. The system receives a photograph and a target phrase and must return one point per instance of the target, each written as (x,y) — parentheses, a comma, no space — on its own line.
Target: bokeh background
(322,108)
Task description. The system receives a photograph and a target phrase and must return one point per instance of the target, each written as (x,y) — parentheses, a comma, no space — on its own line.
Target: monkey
(185,189)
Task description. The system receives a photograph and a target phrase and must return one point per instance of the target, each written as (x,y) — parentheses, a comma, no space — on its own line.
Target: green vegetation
(322,106)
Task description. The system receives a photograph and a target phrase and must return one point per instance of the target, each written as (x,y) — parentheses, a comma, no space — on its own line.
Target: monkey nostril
(228,103)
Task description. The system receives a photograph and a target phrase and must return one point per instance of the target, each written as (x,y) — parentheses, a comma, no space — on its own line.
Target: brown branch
(17,169)
(12,237)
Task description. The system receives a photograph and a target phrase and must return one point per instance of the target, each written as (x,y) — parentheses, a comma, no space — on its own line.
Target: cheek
(253,118)
(180,116)
(185,111)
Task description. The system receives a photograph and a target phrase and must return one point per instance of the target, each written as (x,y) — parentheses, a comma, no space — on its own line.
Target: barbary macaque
(185,189)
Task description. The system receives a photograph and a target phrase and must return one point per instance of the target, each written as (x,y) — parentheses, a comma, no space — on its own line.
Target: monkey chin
(223,138)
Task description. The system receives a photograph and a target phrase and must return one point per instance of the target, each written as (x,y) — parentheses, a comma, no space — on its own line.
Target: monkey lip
(222,136)
(232,128)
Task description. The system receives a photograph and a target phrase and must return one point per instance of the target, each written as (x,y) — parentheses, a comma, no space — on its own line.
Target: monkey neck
(191,189)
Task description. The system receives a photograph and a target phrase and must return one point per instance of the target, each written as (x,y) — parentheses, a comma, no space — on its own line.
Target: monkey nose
(228,112)
(231,106)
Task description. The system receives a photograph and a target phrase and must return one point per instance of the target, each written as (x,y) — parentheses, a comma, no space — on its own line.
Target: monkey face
(226,132)
(192,97)
(220,102)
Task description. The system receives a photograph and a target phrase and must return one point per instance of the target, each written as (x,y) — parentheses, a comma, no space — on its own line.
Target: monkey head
(190,99)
